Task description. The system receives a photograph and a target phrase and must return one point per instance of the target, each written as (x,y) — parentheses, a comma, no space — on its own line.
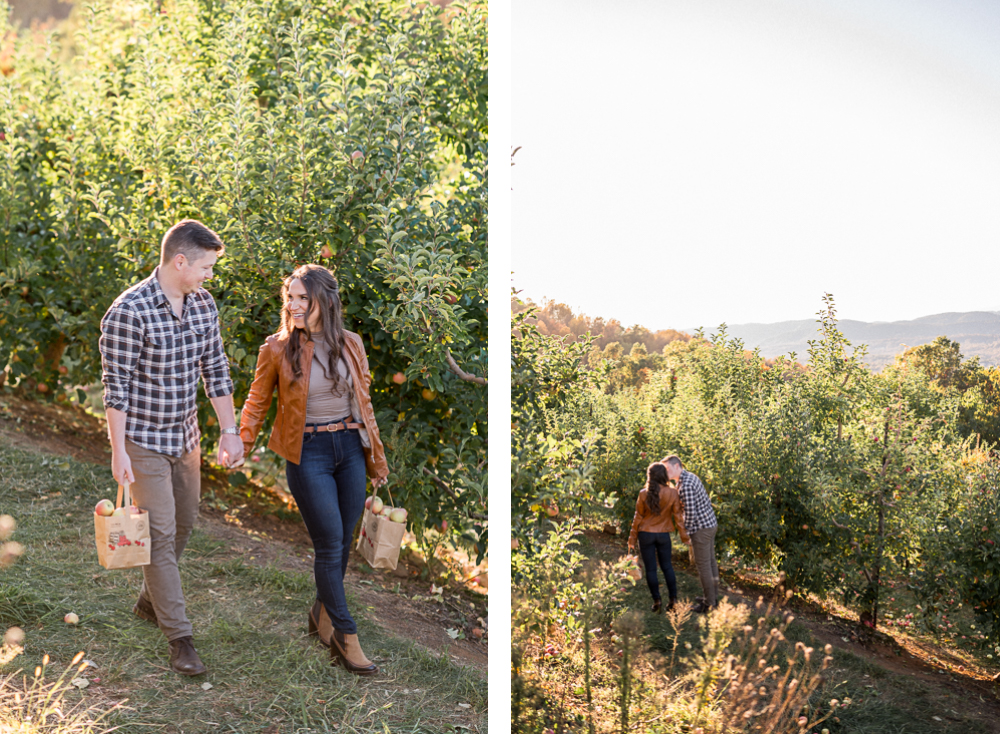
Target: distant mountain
(977,331)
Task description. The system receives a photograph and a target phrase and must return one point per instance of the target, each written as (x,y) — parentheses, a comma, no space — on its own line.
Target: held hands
(230,451)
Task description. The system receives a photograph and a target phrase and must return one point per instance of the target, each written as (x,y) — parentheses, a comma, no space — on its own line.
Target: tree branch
(453,365)
(451,493)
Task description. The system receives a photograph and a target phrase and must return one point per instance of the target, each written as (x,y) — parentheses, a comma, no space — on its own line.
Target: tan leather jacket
(273,369)
(670,518)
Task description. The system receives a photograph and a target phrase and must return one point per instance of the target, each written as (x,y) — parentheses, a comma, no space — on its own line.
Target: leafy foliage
(348,132)
(836,476)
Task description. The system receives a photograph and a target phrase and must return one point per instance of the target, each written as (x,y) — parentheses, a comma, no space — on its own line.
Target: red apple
(326,252)
(357,155)
(399,378)
(104,508)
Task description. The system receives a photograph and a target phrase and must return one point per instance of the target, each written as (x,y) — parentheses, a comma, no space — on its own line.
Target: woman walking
(325,430)
(658,513)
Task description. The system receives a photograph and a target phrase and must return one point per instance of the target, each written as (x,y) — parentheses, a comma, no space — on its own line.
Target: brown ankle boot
(319,623)
(346,650)
(184,658)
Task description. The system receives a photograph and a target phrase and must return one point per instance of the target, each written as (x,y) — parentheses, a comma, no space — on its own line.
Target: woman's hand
(379,481)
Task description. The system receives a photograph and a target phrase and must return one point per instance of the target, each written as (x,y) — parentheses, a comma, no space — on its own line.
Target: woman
(657,513)
(325,430)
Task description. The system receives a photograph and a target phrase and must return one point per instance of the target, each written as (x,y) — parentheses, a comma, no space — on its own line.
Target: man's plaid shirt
(152,361)
(698,511)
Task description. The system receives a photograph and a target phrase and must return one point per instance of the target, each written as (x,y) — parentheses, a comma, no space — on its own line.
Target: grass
(882,701)
(266,674)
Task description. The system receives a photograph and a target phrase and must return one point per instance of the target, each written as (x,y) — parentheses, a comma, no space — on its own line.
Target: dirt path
(389,598)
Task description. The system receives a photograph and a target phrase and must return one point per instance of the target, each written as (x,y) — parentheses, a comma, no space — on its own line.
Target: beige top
(323,405)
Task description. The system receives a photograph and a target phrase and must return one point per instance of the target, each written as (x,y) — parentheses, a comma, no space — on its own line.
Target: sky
(687,164)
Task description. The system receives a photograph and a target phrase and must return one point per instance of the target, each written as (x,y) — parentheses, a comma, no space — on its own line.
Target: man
(157,339)
(700,523)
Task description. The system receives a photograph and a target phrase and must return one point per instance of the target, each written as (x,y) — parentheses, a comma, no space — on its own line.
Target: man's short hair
(673,459)
(190,238)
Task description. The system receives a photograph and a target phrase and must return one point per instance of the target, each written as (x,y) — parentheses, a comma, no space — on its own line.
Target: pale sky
(690,163)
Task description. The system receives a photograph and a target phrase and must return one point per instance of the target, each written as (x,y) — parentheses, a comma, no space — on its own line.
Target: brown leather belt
(341,425)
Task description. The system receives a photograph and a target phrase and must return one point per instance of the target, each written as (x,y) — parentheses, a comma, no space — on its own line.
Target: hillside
(977,331)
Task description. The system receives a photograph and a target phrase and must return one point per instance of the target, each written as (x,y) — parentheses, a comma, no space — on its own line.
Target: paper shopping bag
(123,538)
(380,539)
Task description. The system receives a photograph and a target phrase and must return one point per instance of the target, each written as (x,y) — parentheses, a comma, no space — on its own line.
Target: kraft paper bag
(122,541)
(380,539)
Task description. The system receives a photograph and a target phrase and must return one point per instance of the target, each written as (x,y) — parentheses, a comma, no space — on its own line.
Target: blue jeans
(653,546)
(328,485)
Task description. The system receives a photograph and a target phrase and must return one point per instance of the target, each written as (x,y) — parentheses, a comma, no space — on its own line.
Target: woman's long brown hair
(656,477)
(324,294)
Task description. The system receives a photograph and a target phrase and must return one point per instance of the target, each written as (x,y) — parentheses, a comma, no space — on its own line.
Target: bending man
(700,523)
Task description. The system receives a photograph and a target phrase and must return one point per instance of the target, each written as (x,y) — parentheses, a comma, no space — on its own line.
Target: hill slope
(977,331)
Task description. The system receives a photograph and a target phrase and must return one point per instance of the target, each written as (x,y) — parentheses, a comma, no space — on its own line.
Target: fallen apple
(398,515)
(104,508)
(7,526)
(377,505)
(13,636)
(71,618)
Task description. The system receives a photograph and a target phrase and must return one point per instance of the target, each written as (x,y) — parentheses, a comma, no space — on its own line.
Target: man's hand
(121,467)
(230,450)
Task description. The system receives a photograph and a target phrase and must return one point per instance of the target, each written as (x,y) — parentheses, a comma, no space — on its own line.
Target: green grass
(266,674)
(883,701)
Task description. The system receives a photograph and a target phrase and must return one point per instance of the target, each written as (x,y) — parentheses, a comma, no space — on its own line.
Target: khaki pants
(703,548)
(168,488)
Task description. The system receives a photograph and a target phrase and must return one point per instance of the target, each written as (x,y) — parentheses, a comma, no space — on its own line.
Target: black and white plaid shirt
(698,511)
(152,361)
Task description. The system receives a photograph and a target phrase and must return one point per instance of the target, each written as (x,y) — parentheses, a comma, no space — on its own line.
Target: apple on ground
(398,515)
(104,508)
(71,618)
(7,526)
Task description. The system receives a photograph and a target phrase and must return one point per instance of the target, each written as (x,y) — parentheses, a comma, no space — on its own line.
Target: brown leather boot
(346,650)
(319,623)
(143,609)
(184,658)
